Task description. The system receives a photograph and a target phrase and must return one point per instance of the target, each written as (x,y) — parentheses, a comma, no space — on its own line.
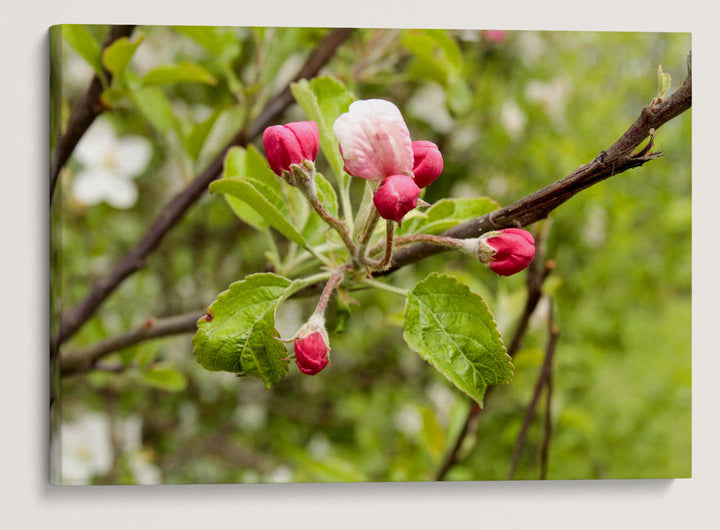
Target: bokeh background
(511,112)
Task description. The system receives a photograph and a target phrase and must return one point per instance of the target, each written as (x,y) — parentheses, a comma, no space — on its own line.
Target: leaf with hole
(238,334)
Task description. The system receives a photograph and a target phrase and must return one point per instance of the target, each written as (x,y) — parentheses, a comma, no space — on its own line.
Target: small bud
(311,346)
(396,196)
(428,162)
(374,140)
(290,144)
(507,251)
(496,36)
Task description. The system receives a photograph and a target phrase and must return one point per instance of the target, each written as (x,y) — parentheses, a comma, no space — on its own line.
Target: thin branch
(84,114)
(469,426)
(543,376)
(81,361)
(379,265)
(545,449)
(180,203)
(536,206)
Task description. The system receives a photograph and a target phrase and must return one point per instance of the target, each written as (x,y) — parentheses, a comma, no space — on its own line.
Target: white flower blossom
(109,165)
(86,449)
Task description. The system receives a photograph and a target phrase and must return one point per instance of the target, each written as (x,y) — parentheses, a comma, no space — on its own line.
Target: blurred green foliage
(509,117)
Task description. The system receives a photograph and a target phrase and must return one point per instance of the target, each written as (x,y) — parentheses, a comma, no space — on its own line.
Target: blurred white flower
(319,447)
(512,118)
(408,420)
(430,105)
(551,95)
(86,449)
(109,165)
(280,475)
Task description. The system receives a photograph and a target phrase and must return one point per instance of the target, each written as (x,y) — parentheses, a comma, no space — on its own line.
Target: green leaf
(165,379)
(664,82)
(323,99)
(459,97)
(433,435)
(264,200)
(258,168)
(183,72)
(238,334)
(425,64)
(262,355)
(199,133)
(452,328)
(221,42)
(117,56)
(235,167)
(445,214)
(83,42)
(155,107)
(278,44)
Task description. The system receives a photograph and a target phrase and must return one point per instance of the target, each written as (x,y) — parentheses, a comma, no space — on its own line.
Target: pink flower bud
(291,144)
(374,140)
(495,35)
(396,196)
(508,251)
(428,162)
(311,347)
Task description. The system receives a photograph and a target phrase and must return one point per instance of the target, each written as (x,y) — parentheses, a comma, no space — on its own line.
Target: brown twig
(545,372)
(180,203)
(547,435)
(536,206)
(81,361)
(84,114)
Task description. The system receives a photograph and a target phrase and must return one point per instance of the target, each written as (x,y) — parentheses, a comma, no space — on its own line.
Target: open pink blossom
(396,196)
(427,164)
(507,251)
(374,140)
(291,144)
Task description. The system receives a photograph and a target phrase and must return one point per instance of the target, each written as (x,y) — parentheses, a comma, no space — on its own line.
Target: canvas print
(368,255)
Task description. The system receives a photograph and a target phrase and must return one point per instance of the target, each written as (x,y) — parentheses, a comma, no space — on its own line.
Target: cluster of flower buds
(375,145)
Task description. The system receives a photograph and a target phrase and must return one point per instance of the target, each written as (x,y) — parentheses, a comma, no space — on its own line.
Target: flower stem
(386,287)
(336,224)
(366,234)
(336,278)
(383,263)
(448,242)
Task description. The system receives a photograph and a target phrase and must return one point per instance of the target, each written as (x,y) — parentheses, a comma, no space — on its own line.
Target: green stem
(386,287)
(344,188)
(336,278)
(366,234)
(382,264)
(448,242)
(275,255)
(336,224)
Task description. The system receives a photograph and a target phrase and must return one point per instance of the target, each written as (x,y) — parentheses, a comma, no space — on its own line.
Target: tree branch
(180,203)
(543,377)
(84,114)
(81,361)
(617,159)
